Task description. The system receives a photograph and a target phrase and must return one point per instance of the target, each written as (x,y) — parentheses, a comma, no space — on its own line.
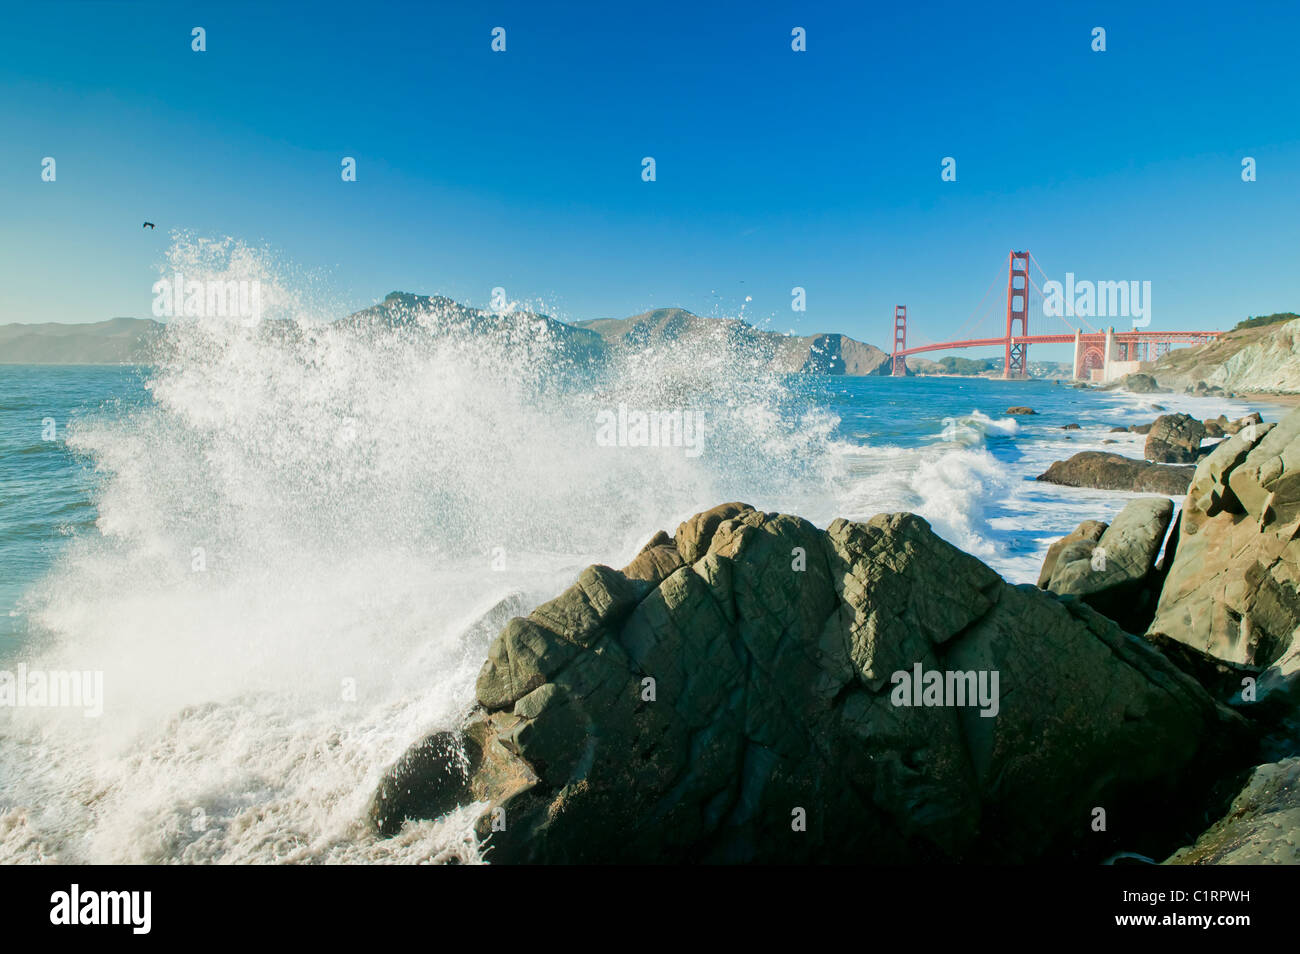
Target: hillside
(827,353)
(1258,355)
(128,340)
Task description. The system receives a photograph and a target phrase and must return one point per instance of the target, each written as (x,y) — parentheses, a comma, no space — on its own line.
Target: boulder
(1140,428)
(1021,410)
(1175,439)
(1069,427)
(1140,383)
(1101,470)
(1232,427)
(1116,573)
(1232,589)
(1089,530)
(755,705)
(1262,827)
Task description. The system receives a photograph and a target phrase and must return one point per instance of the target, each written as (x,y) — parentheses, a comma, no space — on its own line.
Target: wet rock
(1021,410)
(1069,427)
(1102,470)
(1174,439)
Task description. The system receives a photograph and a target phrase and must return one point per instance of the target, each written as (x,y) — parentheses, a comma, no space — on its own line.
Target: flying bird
(147,225)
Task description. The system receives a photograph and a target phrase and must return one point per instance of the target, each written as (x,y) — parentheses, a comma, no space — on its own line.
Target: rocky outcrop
(1018,410)
(1174,439)
(1232,590)
(743,691)
(1261,827)
(1115,573)
(1103,471)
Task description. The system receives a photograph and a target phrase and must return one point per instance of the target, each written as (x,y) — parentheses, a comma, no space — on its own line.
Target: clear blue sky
(775,168)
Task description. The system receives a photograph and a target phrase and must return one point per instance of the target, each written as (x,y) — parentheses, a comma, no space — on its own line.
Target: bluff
(1261,357)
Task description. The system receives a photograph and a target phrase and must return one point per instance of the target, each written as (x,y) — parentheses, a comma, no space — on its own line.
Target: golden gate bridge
(1099,354)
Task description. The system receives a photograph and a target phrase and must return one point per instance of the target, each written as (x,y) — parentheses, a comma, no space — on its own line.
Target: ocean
(287,554)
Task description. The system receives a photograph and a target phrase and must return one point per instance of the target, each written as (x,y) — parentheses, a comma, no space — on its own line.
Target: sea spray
(304,537)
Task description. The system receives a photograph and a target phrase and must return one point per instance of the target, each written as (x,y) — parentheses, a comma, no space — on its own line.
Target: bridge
(1098,354)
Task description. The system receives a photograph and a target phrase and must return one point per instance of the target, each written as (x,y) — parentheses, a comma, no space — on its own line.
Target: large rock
(746,706)
(1175,439)
(1089,531)
(1232,427)
(1232,589)
(1102,471)
(1261,827)
(1140,383)
(1116,573)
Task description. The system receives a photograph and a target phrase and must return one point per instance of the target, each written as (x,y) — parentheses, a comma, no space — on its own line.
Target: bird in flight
(147,225)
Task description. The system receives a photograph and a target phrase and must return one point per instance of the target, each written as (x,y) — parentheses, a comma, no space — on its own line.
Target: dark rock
(1021,410)
(1140,383)
(1140,428)
(1069,427)
(1175,439)
(1101,470)
(1262,827)
(701,719)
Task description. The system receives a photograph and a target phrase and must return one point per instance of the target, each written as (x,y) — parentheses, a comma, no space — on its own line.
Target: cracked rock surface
(728,697)
(1231,591)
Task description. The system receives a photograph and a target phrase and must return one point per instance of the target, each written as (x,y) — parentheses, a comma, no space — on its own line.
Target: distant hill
(436,314)
(983,367)
(128,340)
(827,353)
(116,341)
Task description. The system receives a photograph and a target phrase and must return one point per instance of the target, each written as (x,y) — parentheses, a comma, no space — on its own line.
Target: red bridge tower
(899,367)
(1017,356)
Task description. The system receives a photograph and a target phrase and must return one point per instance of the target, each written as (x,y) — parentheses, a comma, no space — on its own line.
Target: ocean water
(288,553)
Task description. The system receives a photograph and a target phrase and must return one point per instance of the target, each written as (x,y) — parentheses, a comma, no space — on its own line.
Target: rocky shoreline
(755,689)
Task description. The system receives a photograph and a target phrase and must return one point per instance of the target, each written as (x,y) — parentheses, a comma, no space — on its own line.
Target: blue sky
(522,169)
